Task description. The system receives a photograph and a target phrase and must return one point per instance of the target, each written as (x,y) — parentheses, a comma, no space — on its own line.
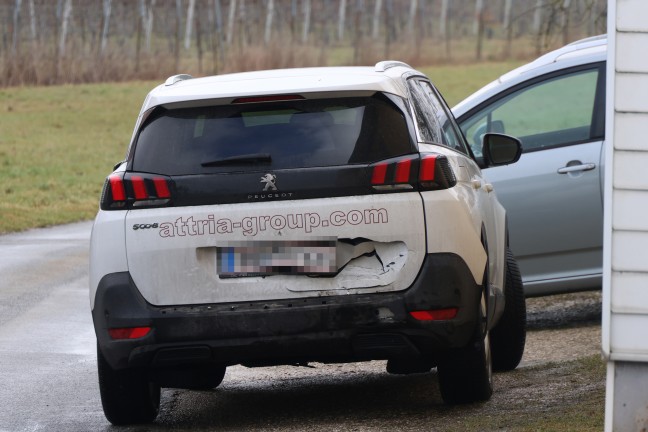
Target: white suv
(301,215)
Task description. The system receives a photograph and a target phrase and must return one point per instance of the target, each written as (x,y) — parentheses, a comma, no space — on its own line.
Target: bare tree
(243,29)
(32,21)
(375,32)
(478,27)
(217,45)
(107,7)
(293,20)
(178,23)
(358,30)
(508,27)
(565,10)
(306,5)
(445,27)
(389,26)
(593,16)
(65,23)
(341,19)
(231,14)
(537,24)
(148,24)
(270,10)
(189,23)
(411,18)
(16,27)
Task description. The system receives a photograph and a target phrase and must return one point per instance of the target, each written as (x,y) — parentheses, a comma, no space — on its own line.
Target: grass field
(57,144)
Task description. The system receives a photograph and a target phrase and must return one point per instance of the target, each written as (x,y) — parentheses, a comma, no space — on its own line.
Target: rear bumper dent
(326,329)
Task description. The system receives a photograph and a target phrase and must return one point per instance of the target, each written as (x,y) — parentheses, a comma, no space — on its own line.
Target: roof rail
(176,78)
(387,64)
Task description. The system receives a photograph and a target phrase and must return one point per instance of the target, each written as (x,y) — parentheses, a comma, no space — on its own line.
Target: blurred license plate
(276,257)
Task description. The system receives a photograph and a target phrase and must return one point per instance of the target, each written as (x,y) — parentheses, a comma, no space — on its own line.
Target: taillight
(129,190)
(435,172)
(430,171)
(395,174)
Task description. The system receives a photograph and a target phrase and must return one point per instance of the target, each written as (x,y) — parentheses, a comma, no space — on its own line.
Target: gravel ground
(560,385)
(563,327)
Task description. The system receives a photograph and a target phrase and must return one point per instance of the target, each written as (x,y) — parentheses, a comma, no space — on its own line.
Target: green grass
(456,82)
(57,144)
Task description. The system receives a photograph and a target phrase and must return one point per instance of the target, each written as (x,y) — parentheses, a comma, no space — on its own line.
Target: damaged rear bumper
(325,329)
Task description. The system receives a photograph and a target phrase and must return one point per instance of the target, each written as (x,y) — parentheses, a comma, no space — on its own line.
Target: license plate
(256,258)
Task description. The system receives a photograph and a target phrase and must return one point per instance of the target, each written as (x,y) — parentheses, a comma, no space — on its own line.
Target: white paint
(630,253)
(630,170)
(631,92)
(628,288)
(632,49)
(630,15)
(107,248)
(627,331)
(631,130)
(630,210)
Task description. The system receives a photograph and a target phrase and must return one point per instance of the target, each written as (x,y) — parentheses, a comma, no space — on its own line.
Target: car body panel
(402,246)
(390,222)
(555,219)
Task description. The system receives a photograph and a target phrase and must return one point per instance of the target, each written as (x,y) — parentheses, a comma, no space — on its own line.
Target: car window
(435,124)
(285,134)
(551,113)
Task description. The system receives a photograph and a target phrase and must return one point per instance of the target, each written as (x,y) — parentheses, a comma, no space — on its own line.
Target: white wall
(625,258)
(627,189)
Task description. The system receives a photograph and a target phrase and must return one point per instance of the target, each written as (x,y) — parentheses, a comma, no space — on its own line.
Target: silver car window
(547,114)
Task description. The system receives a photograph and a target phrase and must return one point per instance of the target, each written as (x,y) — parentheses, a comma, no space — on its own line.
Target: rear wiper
(233,160)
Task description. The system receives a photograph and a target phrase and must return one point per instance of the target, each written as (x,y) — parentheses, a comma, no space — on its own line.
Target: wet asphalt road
(48,376)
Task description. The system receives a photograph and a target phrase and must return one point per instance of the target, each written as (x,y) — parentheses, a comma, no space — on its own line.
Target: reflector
(129,332)
(435,314)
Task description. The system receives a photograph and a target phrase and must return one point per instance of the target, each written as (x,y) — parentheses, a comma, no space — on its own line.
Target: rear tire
(466,375)
(509,335)
(127,395)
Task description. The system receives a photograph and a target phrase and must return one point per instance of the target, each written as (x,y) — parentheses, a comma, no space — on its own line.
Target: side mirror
(500,149)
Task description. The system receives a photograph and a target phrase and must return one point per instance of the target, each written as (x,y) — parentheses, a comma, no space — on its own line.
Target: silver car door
(553,194)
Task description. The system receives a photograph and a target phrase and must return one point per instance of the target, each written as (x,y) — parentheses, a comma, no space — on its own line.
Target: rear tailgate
(378,242)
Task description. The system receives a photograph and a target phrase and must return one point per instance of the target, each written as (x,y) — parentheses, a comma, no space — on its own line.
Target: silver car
(553,195)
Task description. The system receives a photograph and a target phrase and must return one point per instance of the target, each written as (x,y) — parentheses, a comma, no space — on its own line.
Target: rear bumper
(326,329)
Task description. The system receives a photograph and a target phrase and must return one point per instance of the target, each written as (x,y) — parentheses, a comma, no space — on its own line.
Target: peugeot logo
(269,180)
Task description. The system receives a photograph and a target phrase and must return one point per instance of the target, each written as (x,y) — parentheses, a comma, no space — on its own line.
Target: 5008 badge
(144,226)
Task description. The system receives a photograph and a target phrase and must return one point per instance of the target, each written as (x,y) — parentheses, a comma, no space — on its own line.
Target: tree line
(59,41)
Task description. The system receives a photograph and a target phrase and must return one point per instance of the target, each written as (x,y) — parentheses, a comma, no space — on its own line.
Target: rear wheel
(466,375)
(127,395)
(509,335)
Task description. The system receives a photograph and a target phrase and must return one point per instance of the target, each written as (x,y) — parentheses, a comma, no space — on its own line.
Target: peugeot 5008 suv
(295,216)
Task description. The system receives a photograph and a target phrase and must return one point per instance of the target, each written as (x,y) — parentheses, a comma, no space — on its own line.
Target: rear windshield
(287,134)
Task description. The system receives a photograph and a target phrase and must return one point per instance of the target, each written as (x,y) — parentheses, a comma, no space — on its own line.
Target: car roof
(584,51)
(385,76)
